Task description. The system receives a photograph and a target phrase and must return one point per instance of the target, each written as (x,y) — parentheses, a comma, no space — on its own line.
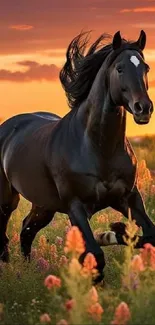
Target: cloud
(145,25)
(136,10)
(21,27)
(37,25)
(34,72)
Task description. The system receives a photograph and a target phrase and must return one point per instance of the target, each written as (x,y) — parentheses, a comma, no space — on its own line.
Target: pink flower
(137,264)
(59,241)
(52,281)
(15,239)
(69,304)
(34,253)
(152,189)
(45,318)
(62,322)
(122,314)
(148,255)
(96,311)
(63,260)
(42,264)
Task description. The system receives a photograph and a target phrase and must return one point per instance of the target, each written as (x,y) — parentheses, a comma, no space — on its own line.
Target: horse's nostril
(151,108)
(138,108)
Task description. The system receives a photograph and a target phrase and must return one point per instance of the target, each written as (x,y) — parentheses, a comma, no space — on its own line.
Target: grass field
(28,296)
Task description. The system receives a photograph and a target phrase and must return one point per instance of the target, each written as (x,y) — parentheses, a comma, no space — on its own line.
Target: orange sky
(34,35)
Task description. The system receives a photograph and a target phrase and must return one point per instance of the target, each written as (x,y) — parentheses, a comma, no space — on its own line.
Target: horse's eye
(120,70)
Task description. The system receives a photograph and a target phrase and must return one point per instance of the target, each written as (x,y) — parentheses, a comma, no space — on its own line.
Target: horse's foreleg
(78,217)
(37,219)
(138,213)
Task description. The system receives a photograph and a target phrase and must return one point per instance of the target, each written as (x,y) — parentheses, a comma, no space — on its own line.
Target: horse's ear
(117,41)
(141,40)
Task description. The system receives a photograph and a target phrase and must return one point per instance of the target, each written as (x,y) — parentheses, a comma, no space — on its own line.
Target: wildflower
(42,240)
(34,253)
(69,304)
(53,249)
(103,218)
(52,281)
(74,241)
(89,264)
(122,314)
(93,295)
(148,255)
(15,239)
(34,301)
(74,267)
(137,264)
(42,244)
(67,229)
(62,322)
(96,311)
(131,229)
(42,264)
(59,241)
(63,260)
(152,190)
(45,318)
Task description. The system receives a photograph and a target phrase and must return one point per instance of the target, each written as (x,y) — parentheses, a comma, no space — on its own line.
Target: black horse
(83,162)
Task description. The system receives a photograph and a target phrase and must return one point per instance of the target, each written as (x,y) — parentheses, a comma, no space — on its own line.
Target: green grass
(144,149)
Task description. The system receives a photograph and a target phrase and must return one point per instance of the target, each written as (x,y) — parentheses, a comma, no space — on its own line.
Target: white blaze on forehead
(135,60)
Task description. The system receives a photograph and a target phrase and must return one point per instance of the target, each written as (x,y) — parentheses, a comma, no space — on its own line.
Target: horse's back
(24,123)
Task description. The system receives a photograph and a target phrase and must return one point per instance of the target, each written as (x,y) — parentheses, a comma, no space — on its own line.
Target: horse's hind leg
(9,199)
(37,219)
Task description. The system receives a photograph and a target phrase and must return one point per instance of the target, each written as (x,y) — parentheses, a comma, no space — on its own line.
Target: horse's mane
(80,69)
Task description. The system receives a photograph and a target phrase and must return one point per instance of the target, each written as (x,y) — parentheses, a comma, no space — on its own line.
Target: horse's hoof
(106,238)
(118,228)
(99,278)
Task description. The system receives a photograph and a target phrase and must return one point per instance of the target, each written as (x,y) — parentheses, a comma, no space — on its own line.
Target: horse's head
(128,78)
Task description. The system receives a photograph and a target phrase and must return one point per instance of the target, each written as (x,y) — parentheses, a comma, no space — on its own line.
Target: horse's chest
(121,169)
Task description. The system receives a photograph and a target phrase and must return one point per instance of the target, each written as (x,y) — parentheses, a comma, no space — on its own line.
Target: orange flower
(96,311)
(45,318)
(52,281)
(53,248)
(122,314)
(42,244)
(15,239)
(137,264)
(74,241)
(89,264)
(93,295)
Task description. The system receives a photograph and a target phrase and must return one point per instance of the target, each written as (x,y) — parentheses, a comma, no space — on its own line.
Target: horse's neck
(105,123)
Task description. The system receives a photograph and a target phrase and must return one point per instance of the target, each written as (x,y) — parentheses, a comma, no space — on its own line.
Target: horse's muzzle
(142,111)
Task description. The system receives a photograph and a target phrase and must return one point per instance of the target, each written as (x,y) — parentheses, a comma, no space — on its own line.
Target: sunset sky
(34,35)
